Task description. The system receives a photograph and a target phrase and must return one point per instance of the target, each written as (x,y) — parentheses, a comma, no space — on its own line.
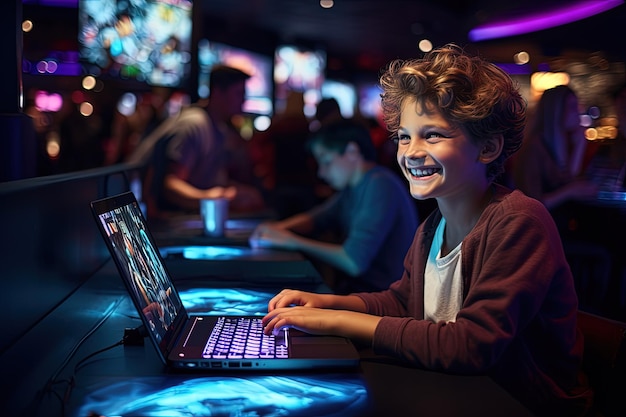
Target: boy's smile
(423,172)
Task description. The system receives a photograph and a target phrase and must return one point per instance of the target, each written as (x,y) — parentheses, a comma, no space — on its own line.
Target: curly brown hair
(470,92)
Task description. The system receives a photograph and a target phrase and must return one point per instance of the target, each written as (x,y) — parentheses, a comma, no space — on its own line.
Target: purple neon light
(542,20)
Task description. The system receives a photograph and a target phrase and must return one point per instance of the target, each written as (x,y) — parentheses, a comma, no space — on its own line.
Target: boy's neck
(462,217)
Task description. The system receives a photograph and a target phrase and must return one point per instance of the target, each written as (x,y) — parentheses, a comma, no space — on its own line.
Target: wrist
(356,325)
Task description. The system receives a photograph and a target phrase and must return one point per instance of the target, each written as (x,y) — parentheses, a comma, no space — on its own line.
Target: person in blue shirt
(371,214)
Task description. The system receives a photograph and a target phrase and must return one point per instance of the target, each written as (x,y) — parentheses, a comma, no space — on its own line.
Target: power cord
(132,337)
(71,382)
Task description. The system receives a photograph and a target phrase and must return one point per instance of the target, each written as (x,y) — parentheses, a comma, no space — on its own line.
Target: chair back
(604,361)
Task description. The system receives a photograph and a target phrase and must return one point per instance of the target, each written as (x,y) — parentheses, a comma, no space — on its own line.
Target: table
(130,380)
(230,257)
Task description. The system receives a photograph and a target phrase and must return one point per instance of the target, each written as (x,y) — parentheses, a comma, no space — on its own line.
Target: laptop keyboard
(243,338)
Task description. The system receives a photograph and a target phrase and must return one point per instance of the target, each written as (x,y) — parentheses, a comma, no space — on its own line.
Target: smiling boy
(486,288)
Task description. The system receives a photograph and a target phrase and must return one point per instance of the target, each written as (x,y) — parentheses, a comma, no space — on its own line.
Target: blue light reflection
(221,301)
(217,301)
(329,395)
(213,252)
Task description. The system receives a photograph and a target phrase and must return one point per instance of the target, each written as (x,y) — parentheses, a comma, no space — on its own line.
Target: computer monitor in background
(142,40)
(344,93)
(302,70)
(259,87)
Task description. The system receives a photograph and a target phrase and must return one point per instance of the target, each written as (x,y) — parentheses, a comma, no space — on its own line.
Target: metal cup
(214,212)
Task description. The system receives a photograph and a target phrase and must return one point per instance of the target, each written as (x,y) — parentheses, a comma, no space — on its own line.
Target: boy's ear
(492,149)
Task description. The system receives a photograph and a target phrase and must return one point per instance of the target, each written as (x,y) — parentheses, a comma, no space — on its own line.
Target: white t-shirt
(443,284)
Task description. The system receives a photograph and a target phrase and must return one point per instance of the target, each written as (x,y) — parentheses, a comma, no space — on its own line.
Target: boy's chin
(419,194)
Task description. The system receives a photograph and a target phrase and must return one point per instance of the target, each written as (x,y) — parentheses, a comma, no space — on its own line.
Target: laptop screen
(140,265)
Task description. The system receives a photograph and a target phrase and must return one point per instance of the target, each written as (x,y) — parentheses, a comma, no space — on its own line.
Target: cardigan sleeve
(509,262)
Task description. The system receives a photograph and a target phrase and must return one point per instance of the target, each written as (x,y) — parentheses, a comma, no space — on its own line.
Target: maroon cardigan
(517,323)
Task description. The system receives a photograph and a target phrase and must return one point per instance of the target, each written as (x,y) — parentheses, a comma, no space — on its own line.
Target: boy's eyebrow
(429,127)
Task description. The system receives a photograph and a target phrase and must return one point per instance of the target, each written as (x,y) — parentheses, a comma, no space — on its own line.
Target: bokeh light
(89,82)
(425,45)
(86,108)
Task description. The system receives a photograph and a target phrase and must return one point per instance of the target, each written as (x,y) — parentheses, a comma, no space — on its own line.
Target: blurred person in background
(371,214)
(327,111)
(549,166)
(286,168)
(135,118)
(186,155)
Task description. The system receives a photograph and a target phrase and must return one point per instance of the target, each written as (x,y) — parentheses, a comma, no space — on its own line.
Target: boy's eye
(433,136)
(403,139)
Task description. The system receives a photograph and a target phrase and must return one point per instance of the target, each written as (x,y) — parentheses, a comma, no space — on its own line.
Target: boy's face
(334,168)
(437,158)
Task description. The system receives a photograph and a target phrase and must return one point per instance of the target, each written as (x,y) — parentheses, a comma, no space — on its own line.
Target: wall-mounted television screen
(142,40)
(299,69)
(259,87)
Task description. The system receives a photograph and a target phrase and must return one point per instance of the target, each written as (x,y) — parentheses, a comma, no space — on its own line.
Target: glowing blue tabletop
(83,371)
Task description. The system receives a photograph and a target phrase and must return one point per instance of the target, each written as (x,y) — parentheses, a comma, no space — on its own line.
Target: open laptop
(186,341)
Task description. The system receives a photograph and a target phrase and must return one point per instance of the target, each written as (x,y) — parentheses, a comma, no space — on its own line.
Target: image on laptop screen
(148,279)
